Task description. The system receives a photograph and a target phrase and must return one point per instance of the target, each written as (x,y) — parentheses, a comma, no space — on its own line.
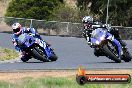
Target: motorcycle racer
(17,31)
(89,25)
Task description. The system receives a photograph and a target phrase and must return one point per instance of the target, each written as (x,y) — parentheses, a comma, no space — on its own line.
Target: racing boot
(25,56)
(88,41)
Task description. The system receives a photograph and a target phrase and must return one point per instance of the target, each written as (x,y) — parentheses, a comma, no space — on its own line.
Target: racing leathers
(113,31)
(87,30)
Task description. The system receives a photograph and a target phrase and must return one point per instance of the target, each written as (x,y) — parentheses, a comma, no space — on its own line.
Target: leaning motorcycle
(36,48)
(105,44)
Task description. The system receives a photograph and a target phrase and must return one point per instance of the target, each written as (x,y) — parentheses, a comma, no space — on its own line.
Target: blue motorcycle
(105,44)
(36,48)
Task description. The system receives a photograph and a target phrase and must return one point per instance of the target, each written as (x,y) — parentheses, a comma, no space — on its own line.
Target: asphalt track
(72,53)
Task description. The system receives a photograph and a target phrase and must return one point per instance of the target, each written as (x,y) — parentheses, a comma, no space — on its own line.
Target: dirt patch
(4,27)
(15,76)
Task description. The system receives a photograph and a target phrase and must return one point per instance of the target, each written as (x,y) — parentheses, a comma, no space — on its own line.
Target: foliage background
(120,11)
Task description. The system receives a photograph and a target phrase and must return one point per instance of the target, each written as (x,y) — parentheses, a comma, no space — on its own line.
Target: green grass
(58,82)
(7,54)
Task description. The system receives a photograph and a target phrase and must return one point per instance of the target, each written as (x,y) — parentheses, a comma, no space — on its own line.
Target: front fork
(116,42)
(45,47)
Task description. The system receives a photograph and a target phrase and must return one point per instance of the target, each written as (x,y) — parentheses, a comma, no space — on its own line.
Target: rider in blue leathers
(18,30)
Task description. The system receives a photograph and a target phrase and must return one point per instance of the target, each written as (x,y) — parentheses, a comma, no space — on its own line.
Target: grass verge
(7,54)
(53,81)
(57,82)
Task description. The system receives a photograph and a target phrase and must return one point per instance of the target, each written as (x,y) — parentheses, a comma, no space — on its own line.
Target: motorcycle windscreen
(22,37)
(98,35)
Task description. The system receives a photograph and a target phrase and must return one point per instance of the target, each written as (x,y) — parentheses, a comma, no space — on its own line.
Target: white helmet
(16,28)
(87,19)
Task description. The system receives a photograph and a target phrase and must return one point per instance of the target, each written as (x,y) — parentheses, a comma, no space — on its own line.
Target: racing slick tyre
(127,56)
(39,54)
(53,57)
(111,55)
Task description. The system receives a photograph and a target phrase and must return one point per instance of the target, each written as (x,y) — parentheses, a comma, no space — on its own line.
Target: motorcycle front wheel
(110,54)
(39,54)
(53,57)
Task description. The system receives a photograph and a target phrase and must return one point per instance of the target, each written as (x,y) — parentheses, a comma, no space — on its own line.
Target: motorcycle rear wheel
(127,56)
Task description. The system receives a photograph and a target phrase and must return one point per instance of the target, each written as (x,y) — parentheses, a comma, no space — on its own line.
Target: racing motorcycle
(36,48)
(105,44)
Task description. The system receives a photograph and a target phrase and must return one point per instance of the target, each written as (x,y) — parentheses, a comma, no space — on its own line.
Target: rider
(87,28)
(17,31)
(89,25)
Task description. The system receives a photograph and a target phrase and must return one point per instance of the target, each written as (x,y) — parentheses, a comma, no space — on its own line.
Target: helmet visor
(16,30)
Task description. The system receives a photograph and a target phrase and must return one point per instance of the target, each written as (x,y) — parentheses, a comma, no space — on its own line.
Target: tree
(119,10)
(65,14)
(33,9)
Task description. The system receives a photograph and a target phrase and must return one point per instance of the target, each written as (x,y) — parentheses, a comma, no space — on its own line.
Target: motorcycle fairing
(100,34)
(46,48)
